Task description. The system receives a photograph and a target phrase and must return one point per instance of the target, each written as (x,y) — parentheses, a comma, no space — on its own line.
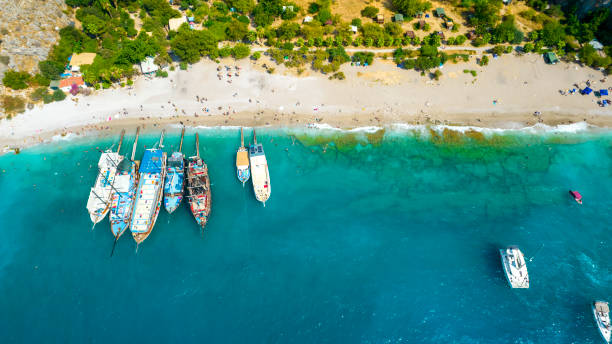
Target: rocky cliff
(28,30)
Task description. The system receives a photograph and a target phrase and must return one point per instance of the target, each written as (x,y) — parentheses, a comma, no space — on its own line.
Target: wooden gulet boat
(242,161)
(122,203)
(198,188)
(98,203)
(175,179)
(152,172)
(260,176)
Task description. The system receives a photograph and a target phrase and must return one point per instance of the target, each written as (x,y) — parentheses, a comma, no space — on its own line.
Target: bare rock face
(28,30)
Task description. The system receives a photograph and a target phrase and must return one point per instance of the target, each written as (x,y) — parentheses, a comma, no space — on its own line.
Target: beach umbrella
(587,90)
(603,92)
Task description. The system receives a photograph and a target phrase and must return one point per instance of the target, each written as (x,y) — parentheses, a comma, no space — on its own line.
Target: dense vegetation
(109,29)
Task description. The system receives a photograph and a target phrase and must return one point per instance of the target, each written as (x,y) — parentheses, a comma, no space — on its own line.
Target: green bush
(13,105)
(59,95)
(16,80)
(47,98)
(369,11)
(256,55)
(130,82)
(241,51)
(38,94)
(159,73)
(183,65)
(484,61)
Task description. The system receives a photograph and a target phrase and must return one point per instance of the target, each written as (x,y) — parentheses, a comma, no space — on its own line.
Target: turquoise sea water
(362,241)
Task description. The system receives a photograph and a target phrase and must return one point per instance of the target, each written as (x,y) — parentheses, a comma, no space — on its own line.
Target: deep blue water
(392,242)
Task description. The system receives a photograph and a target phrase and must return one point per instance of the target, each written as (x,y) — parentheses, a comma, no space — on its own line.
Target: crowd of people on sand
(587,87)
(229,72)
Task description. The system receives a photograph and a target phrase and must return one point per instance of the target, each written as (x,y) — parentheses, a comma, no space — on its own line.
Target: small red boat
(577,196)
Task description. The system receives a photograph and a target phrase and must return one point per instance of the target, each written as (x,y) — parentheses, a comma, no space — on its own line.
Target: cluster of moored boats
(132,191)
(515,267)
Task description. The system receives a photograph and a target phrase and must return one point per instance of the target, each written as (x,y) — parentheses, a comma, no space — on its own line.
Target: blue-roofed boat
(149,193)
(242,161)
(122,203)
(175,179)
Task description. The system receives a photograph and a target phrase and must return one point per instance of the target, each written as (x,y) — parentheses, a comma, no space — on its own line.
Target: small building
(441,34)
(471,35)
(410,34)
(285,8)
(449,24)
(148,66)
(439,12)
(380,19)
(550,58)
(398,18)
(507,2)
(66,84)
(191,19)
(175,23)
(78,60)
(354,29)
(418,15)
(54,85)
(596,45)
(307,19)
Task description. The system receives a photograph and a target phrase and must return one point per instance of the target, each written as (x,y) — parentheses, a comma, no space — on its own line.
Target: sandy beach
(504,94)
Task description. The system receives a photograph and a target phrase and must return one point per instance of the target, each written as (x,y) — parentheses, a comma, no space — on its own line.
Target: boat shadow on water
(492,261)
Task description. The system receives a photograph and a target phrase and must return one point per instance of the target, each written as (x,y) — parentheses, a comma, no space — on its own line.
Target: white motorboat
(515,268)
(601,312)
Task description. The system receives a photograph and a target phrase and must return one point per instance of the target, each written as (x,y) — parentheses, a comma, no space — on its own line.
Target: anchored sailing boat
(198,187)
(601,311)
(259,171)
(515,268)
(175,179)
(98,203)
(122,203)
(149,193)
(242,161)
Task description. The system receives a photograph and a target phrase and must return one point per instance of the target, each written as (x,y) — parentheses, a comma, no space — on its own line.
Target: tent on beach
(587,90)
(550,58)
(603,92)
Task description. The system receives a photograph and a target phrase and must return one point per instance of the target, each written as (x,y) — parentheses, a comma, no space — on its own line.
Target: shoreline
(504,95)
(129,125)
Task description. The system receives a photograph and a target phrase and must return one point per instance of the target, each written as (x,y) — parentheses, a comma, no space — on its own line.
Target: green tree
(236,31)
(373,31)
(94,25)
(288,30)
(16,80)
(242,6)
(369,11)
(241,51)
(552,33)
(190,45)
(410,7)
(485,15)
(393,29)
(50,69)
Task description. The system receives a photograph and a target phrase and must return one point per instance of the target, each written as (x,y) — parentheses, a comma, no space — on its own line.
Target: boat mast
(254,136)
(161,139)
(121,140)
(181,144)
(197,145)
(241,138)
(135,143)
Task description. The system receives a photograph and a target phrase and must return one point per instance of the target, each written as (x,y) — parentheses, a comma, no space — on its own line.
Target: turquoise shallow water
(395,242)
